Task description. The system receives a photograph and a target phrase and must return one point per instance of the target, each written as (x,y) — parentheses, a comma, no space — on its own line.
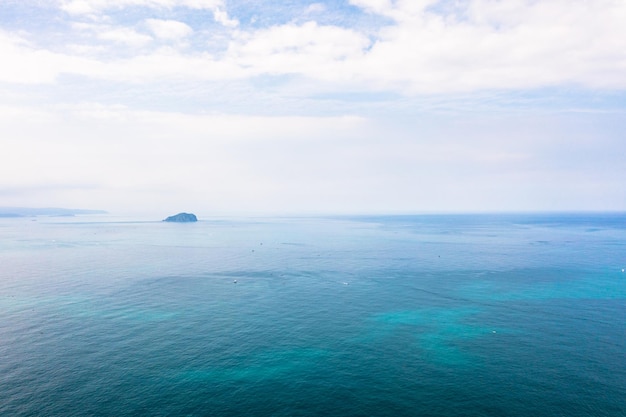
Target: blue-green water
(511,315)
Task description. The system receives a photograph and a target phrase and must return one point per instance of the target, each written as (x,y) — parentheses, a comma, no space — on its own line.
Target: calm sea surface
(477,315)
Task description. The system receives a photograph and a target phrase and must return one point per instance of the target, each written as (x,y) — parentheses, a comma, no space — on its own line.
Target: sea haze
(472,315)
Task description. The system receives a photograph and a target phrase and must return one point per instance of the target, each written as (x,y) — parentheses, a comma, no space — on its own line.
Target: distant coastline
(48,211)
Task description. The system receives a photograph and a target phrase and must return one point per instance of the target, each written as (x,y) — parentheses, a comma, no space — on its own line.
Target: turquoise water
(476,315)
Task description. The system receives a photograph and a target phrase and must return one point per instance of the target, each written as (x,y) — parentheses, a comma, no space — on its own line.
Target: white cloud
(168,29)
(308,49)
(221,17)
(124,35)
(95,8)
(117,158)
(480,45)
(141,158)
(497,45)
(492,45)
(376,6)
(79,7)
(86,49)
(420,158)
(315,8)
(166,63)
(25,64)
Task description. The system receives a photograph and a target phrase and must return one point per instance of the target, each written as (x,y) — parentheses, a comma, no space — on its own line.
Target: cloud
(221,16)
(95,8)
(497,45)
(168,29)
(486,45)
(81,7)
(315,8)
(166,63)
(116,158)
(26,64)
(123,35)
(140,158)
(316,51)
(459,96)
(421,47)
(374,6)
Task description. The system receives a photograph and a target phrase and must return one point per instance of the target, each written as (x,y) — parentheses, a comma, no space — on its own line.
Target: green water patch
(436,335)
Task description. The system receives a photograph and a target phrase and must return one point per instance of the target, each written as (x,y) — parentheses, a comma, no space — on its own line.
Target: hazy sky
(234,106)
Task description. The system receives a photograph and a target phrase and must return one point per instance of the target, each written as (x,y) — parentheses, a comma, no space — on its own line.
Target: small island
(182,218)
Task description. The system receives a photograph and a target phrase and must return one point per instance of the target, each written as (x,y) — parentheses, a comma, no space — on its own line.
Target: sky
(333,107)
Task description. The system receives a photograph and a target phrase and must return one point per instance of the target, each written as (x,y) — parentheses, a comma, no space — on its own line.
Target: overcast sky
(351,106)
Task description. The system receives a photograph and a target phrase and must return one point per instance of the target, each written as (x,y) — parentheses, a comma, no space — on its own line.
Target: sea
(416,315)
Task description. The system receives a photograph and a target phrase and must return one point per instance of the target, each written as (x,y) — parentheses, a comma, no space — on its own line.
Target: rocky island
(182,218)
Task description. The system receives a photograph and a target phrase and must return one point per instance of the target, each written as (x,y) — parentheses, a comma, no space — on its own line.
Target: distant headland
(50,211)
(182,218)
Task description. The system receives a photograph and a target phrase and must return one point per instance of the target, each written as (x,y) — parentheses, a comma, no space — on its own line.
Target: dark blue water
(482,315)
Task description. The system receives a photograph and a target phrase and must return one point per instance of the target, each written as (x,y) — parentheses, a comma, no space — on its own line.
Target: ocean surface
(457,315)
